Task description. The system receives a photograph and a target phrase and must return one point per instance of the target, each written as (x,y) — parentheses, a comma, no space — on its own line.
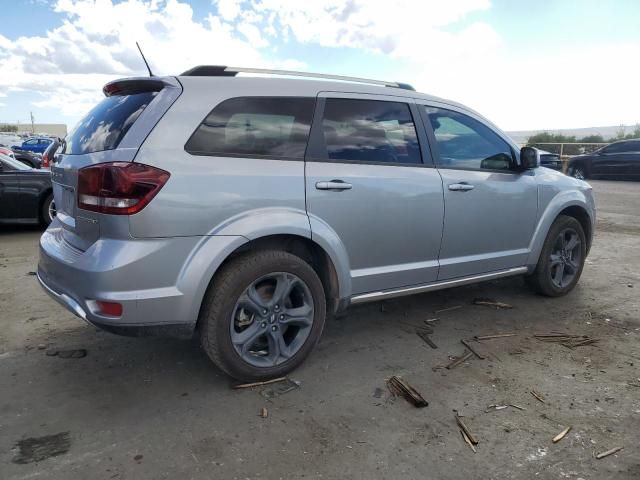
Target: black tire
(219,304)
(45,216)
(541,279)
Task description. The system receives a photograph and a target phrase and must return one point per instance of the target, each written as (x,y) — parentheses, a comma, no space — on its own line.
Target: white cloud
(68,65)
(425,43)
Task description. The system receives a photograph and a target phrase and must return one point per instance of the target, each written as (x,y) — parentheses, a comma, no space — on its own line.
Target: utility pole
(33,128)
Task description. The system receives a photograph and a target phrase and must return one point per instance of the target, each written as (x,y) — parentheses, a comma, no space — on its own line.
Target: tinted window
(370,131)
(106,125)
(32,142)
(255,126)
(623,147)
(464,142)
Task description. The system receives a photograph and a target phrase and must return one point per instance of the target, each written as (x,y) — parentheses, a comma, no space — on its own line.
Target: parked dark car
(616,160)
(25,193)
(549,160)
(35,144)
(28,158)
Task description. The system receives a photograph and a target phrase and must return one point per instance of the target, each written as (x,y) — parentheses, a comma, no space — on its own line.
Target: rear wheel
(48,211)
(561,260)
(262,315)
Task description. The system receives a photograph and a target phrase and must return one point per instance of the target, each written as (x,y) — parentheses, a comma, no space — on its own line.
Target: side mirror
(529,158)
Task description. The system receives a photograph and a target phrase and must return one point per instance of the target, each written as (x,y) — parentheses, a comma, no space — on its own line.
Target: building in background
(53,129)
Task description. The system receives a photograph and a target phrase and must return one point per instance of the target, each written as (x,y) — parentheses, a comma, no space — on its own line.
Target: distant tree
(546,137)
(592,139)
(621,132)
(8,128)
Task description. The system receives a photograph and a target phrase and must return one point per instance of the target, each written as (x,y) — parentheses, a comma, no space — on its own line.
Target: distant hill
(521,136)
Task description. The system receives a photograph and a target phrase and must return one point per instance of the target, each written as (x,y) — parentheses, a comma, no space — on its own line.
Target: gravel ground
(156,408)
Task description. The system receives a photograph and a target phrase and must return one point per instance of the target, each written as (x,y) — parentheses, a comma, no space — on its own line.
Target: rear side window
(370,131)
(465,143)
(105,126)
(271,127)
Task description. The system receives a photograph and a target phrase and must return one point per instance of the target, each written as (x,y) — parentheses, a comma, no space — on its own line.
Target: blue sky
(525,65)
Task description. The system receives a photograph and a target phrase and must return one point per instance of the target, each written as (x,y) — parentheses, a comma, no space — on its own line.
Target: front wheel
(561,260)
(578,171)
(262,315)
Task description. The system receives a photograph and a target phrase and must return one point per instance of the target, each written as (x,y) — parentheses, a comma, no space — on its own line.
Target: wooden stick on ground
(424,335)
(538,395)
(561,435)
(608,452)
(498,335)
(467,440)
(257,384)
(466,430)
(399,387)
(475,352)
(465,356)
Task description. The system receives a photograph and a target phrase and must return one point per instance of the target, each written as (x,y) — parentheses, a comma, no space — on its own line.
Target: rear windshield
(105,126)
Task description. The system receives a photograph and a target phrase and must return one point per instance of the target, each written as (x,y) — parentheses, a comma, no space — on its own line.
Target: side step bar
(400,292)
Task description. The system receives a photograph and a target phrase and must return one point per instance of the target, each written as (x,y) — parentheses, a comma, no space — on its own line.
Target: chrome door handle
(333,185)
(460,187)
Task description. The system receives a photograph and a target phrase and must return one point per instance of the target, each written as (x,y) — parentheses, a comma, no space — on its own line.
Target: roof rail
(223,71)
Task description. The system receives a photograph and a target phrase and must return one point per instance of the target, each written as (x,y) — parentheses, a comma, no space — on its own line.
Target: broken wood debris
(497,335)
(431,320)
(561,435)
(502,407)
(465,356)
(264,413)
(466,430)
(466,343)
(608,452)
(489,302)
(400,387)
(449,309)
(424,335)
(537,395)
(257,384)
(467,440)
(565,339)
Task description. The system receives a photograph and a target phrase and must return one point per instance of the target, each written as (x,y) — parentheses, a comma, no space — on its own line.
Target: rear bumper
(150,278)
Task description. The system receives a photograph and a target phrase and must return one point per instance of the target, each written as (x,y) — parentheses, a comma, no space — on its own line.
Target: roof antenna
(145,60)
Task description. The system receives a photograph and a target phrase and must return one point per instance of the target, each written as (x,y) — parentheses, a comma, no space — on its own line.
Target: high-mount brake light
(119,188)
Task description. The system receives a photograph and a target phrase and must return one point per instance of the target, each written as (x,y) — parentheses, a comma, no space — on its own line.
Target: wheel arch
(573,204)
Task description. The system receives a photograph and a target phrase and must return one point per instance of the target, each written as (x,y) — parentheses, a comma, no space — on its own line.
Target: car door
(370,179)
(9,192)
(614,160)
(490,209)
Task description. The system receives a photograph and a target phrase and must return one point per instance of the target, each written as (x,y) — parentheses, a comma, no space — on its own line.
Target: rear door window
(269,127)
(371,131)
(104,127)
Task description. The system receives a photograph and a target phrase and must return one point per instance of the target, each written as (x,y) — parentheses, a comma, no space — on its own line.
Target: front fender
(551,209)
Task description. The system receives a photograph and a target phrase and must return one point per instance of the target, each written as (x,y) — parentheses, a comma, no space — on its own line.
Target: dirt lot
(156,408)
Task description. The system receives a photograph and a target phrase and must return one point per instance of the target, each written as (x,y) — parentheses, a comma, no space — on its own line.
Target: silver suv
(247,209)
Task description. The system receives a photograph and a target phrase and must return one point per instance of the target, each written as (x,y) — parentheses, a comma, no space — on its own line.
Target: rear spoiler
(129,86)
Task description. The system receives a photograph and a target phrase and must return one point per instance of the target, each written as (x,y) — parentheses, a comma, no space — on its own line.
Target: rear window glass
(275,127)
(104,127)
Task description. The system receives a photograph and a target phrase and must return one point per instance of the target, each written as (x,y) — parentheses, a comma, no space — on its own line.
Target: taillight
(118,188)
(45,161)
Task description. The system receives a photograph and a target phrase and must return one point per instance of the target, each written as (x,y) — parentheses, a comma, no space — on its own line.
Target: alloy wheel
(51,211)
(565,258)
(272,319)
